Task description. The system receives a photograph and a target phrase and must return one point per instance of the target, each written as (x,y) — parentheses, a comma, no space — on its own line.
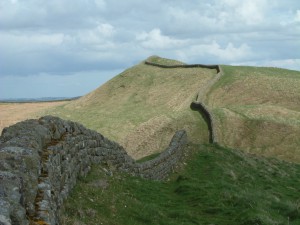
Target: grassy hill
(258,110)
(142,107)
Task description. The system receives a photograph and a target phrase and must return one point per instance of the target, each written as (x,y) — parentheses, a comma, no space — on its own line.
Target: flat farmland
(11,113)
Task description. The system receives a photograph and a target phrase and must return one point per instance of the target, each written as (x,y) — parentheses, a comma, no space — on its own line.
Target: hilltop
(142,107)
(256,109)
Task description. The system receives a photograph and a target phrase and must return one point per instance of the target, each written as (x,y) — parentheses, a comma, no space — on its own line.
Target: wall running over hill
(199,105)
(184,66)
(40,161)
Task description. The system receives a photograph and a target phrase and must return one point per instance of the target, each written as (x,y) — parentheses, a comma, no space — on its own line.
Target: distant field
(11,113)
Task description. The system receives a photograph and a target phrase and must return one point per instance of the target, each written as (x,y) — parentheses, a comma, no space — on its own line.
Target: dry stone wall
(204,109)
(184,66)
(40,161)
(199,105)
(159,168)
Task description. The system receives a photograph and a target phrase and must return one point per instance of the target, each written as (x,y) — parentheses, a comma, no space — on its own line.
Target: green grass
(246,84)
(144,103)
(257,110)
(217,186)
(164,61)
(148,157)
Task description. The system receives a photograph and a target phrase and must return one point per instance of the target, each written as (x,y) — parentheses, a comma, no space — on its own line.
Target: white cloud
(187,18)
(156,40)
(62,37)
(100,34)
(297,17)
(215,50)
(105,29)
(230,52)
(100,4)
(22,41)
(54,14)
(252,12)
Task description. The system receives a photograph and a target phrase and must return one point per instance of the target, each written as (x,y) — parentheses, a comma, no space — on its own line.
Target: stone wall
(40,161)
(216,67)
(199,105)
(160,167)
(208,117)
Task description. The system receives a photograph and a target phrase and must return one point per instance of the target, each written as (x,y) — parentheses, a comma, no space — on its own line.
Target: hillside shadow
(195,106)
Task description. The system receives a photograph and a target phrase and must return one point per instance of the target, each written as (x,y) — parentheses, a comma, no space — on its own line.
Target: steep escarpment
(42,159)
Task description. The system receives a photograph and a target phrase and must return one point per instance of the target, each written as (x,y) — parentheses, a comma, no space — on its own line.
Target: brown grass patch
(11,113)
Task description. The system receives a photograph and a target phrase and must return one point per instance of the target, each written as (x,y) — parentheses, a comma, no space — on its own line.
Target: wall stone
(40,161)
(208,117)
(160,167)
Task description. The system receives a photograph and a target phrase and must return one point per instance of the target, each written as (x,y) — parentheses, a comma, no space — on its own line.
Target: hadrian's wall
(216,67)
(199,104)
(40,161)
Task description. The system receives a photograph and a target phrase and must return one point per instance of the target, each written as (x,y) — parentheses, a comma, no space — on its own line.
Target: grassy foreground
(216,186)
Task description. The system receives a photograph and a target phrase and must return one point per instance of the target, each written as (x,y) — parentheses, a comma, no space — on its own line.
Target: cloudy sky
(70,47)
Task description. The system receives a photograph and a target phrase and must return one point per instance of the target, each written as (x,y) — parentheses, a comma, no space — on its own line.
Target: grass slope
(142,107)
(258,110)
(217,186)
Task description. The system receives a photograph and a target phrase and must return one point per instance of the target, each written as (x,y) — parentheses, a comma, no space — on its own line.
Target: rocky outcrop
(40,161)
